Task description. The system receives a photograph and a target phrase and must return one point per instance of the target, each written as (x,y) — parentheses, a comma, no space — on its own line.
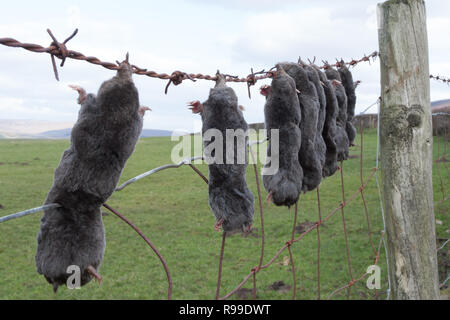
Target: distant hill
(65,134)
(440,103)
(35,129)
(28,129)
(54,134)
(440,106)
(146,133)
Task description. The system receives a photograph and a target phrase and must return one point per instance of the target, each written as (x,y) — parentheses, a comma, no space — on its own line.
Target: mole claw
(81,93)
(143,109)
(94,274)
(269,197)
(218,225)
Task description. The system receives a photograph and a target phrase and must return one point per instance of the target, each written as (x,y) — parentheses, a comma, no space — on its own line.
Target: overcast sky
(195,36)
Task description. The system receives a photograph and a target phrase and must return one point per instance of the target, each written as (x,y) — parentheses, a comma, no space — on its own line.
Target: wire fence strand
(60,51)
(152,246)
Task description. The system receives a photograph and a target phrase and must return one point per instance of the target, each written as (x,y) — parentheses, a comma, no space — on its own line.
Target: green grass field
(171,208)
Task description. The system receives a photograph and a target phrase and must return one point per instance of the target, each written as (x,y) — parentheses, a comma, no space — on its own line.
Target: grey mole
(308,156)
(230,198)
(321,148)
(103,138)
(349,85)
(329,129)
(282,112)
(342,142)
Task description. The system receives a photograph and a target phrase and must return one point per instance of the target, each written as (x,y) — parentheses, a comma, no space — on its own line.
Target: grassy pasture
(171,208)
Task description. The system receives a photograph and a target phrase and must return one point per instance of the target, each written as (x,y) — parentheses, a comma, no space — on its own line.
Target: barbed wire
(441,79)
(352,62)
(60,51)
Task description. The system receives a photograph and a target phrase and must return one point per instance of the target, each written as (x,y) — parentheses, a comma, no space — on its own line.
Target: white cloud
(73,16)
(317,31)
(196,36)
(372,20)
(20,110)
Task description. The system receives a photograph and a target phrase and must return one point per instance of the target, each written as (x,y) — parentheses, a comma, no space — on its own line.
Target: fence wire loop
(251,80)
(255,269)
(59,50)
(289,243)
(177,78)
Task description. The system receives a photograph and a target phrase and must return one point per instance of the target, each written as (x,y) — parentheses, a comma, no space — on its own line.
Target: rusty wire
(441,79)
(152,246)
(219,273)
(291,259)
(352,63)
(300,237)
(60,51)
(56,205)
(354,281)
(319,222)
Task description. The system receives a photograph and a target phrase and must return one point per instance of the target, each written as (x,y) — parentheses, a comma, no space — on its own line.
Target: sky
(195,36)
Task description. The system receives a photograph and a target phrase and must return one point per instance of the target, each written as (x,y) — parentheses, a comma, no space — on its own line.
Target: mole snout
(125,70)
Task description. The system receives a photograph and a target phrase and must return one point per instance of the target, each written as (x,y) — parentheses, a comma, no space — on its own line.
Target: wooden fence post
(406,149)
